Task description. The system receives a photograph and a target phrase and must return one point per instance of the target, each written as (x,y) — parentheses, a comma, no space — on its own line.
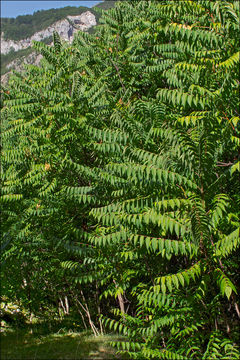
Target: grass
(22,344)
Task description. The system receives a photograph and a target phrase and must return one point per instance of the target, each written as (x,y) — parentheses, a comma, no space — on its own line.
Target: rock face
(18,64)
(66,29)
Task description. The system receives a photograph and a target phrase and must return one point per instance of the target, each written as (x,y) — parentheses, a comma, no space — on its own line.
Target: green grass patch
(22,344)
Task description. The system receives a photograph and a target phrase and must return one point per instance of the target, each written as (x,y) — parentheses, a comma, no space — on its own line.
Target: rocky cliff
(66,29)
(19,64)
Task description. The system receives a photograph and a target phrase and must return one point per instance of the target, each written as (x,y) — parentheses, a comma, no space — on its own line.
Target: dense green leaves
(126,162)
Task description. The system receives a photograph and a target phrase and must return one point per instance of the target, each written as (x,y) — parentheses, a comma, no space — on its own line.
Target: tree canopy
(120,183)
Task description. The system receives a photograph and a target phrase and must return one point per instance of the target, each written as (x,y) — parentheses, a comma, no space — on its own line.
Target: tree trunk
(120,299)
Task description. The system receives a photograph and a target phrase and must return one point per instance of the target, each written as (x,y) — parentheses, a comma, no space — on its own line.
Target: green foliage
(124,175)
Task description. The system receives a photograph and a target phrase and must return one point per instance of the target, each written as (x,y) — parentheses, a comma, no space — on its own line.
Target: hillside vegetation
(120,181)
(24,26)
(18,55)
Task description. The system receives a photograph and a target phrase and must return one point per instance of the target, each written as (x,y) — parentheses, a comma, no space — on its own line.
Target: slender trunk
(236,305)
(87,313)
(83,320)
(99,309)
(120,299)
(121,303)
(93,327)
(66,305)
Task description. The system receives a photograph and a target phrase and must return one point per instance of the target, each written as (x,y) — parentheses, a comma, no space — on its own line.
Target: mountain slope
(17,34)
(65,27)
(25,26)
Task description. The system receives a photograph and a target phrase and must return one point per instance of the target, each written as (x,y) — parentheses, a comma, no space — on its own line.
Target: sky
(11,8)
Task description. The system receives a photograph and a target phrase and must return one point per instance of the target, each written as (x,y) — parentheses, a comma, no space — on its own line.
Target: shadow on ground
(21,344)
